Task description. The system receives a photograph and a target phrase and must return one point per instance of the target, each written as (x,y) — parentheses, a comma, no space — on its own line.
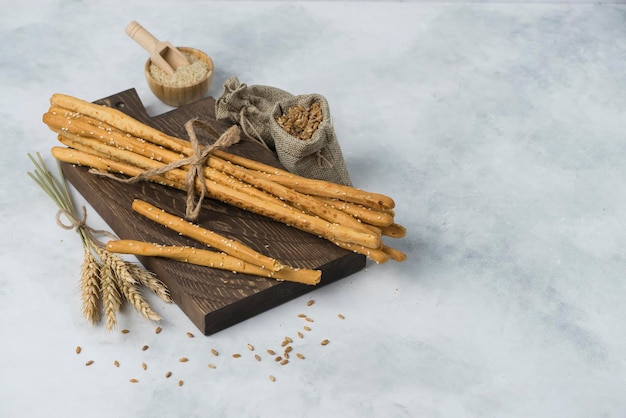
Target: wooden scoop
(163,54)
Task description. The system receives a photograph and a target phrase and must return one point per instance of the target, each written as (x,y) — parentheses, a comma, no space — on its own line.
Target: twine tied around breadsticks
(195,161)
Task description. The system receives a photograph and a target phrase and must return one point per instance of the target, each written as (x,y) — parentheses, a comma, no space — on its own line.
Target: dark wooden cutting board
(213,299)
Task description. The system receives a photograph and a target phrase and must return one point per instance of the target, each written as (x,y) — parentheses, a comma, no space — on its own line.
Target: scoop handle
(142,37)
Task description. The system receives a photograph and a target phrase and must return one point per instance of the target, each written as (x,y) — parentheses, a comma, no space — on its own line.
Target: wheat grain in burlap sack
(255,109)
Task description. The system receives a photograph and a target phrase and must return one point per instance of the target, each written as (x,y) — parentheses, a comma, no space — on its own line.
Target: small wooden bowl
(178,96)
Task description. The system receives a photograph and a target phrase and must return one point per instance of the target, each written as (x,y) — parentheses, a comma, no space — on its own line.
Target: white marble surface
(498,129)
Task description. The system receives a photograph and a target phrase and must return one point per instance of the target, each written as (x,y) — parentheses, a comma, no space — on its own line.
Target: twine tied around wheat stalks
(105,278)
(80,225)
(196,163)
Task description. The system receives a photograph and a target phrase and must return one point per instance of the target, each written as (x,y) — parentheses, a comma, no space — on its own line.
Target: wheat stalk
(104,276)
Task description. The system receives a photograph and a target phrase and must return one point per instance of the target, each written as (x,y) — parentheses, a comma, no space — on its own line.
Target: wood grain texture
(211,298)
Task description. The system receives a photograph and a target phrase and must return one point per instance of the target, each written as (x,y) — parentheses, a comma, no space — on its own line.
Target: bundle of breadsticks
(109,140)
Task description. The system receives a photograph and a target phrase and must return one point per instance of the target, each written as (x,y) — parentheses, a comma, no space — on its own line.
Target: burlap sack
(255,109)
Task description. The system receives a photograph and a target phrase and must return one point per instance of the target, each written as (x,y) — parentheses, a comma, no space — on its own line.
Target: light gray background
(498,129)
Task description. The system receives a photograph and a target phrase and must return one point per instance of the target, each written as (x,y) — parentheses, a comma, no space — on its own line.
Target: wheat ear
(133,295)
(149,280)
(89,286)
(110,294)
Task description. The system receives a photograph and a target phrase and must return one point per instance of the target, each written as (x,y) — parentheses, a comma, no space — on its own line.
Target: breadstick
(212,259)
(205,236)
(394,254)
(393,231)
(74,156)
(75,141)
(376,255)
(75,124)
(367,215)
(117,119)
(336,191)
(96,123)
(312,186)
